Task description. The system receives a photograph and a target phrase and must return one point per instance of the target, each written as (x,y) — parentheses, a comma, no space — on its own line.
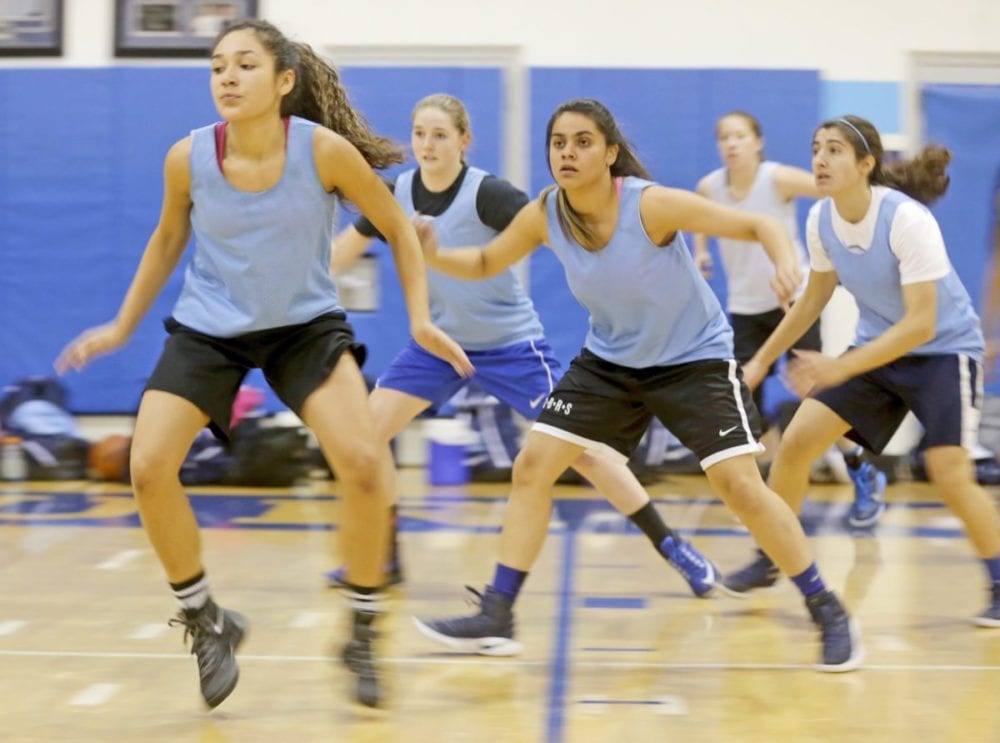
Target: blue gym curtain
(966,120)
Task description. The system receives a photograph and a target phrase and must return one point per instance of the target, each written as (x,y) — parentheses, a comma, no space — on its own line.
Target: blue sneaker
(761,573)
(840,635)
(869,501)
(698,570)
(990,616)
(337,578)
(490,632)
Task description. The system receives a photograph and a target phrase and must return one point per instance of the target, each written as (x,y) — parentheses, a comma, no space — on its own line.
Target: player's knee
(146,468)
(745,492)
(529,468)
(360,467)
(950,474)
(796,444)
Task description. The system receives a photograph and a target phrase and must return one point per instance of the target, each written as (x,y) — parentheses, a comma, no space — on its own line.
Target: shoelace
(690,556)
(476,599)
(206,651)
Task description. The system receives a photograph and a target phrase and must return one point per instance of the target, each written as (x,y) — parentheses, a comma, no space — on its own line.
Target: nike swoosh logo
(537,401)
(217,627)
(727,431)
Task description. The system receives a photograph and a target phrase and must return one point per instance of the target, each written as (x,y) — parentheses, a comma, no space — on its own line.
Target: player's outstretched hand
(90,344)
(786,281)
(434,340)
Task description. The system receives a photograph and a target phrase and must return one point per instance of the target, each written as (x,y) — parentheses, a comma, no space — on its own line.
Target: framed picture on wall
(31,28)
(173,28)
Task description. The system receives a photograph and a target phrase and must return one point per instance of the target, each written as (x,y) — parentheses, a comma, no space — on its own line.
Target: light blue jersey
(649,305)
(479,315)
(261,259)
(873,277)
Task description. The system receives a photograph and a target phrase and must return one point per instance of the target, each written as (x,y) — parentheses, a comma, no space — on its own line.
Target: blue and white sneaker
(869,495)
(839,633)
(699,572)
(489,632)
(990,616)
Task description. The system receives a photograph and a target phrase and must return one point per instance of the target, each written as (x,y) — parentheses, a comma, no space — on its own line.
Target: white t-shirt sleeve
(818,258)
(916,240)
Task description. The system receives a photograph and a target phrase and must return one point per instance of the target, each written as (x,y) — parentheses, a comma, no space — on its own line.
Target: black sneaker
(490,632)
(840,634)
(990,616)
(360,658)
(215,634)
(761,573)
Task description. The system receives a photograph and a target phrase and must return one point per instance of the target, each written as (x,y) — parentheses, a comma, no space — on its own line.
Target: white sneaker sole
(986,622)
(857,654)
(496,646)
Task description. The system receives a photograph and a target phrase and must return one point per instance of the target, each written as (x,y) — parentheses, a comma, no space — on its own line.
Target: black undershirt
(497,202)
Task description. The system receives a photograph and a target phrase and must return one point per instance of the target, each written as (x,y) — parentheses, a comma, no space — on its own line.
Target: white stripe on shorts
(752,446)
(597,448)
(970,412)
(545,365)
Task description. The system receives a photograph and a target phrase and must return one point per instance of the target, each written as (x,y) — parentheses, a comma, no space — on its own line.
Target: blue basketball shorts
(521,375)
(944,391)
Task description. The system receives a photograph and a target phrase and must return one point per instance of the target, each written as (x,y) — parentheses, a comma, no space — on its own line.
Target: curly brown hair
(922,177)
(319,95)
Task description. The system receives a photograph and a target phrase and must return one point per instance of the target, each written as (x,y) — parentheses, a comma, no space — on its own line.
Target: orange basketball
(108,458)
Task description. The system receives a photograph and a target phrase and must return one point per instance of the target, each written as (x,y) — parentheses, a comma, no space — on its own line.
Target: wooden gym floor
(616,648)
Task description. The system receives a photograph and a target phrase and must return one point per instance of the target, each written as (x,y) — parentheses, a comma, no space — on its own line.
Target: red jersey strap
(220,139)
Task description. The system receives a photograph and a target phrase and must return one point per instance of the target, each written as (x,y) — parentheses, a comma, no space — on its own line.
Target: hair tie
(858,132)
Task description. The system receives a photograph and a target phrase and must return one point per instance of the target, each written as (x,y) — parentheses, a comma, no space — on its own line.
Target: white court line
(496,662)
(120,560)
(93,695)
(149,631)
(11,626)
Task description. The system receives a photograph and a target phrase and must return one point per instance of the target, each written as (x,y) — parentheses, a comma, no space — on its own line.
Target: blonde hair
(448,104)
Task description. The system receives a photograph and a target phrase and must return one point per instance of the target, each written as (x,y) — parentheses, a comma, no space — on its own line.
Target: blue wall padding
(669,116)
(79,197)
(966,120)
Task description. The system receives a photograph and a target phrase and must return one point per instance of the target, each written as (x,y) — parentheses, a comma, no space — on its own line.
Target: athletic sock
(192,594)
(993,566)
(809,581)
(648,519)
(508,581)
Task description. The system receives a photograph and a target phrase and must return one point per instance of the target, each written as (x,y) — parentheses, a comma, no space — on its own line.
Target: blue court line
(613,602)
(564,623)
